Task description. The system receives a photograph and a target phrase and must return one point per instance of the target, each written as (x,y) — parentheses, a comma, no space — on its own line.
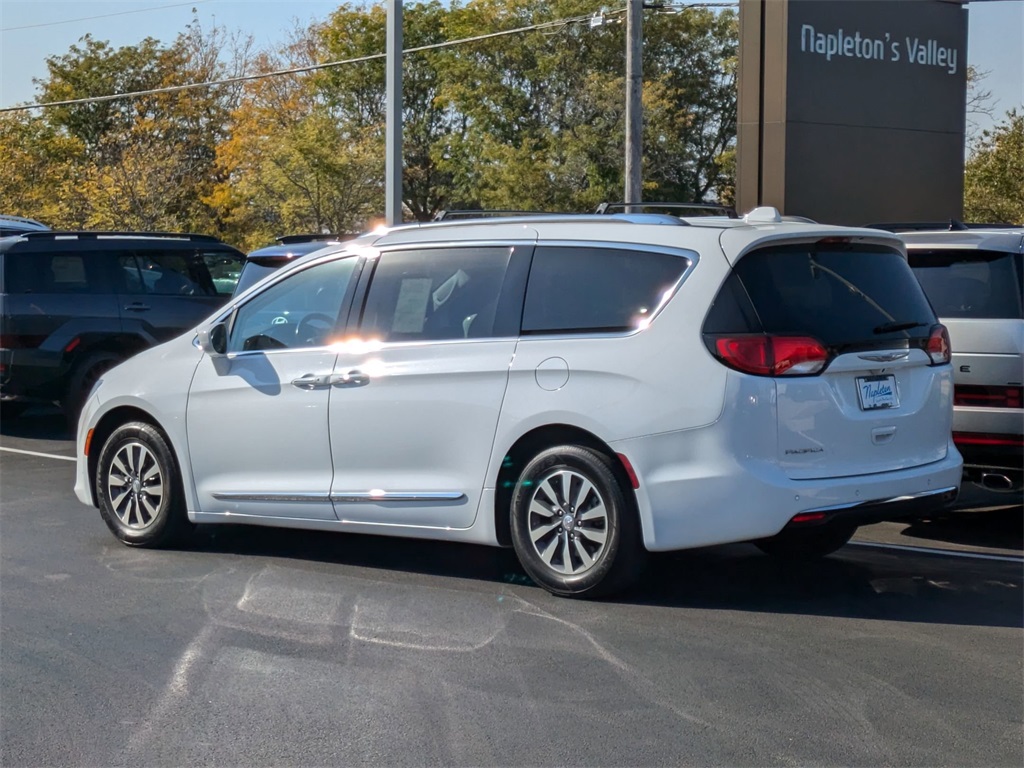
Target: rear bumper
(697,490)
(867,512)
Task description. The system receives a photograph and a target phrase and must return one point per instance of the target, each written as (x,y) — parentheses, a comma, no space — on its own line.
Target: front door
(257,419)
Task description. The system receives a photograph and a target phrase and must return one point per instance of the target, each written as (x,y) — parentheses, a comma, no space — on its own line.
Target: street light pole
(634,106)
(393,128)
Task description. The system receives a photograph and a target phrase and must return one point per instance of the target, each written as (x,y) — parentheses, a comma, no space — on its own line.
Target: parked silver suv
(973,278)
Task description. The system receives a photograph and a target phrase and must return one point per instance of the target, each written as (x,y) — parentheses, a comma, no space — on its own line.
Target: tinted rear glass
(55,273)
(976,284)
(587,289)
(841,295)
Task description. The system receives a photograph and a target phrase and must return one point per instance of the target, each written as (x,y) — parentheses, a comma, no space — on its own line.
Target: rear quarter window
(50,273)
(971,283)
(593,289)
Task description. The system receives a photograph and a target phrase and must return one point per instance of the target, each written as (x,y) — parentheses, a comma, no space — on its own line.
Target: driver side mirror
(214,340)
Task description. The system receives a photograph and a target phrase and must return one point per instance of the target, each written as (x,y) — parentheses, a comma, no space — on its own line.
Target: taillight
(988,397)
(987,439)
(764,355)
(938,345)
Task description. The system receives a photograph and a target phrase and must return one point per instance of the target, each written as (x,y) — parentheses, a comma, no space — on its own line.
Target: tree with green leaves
(994,174)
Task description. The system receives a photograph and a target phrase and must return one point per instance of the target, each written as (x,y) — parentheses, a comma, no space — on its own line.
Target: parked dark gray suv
(75,304)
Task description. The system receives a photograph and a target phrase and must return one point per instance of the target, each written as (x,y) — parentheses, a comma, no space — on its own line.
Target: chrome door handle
(137,306)
(350,379)
(312,381)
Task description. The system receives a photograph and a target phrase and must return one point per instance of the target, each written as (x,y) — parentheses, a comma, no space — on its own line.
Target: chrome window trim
(431,245)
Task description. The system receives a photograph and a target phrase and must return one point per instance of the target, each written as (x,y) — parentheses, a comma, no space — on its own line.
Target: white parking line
(936,551)
(37,453)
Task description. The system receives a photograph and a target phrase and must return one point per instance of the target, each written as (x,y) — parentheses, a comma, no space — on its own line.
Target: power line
(293,70)
(556,24)
(103,16)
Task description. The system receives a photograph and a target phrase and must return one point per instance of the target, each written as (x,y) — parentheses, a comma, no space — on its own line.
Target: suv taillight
(938,345)
(764,355)
(988,397)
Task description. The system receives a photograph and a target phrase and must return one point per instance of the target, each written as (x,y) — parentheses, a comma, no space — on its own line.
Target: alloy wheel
(135,485)
(568,522)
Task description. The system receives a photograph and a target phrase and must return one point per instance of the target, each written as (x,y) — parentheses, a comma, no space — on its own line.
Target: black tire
(807,544)
(85,376)
(572,524)
(139,487)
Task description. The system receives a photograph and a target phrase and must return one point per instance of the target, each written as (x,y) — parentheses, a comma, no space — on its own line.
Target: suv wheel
(86,374)
(139,487)
(573,529)
(808,544)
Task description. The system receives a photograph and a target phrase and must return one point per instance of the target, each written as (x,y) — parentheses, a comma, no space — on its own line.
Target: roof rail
(487,213)
(701,209)
(950,225)
(93,235)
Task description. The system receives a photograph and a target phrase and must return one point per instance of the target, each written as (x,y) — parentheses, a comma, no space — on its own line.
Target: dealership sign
(913,50)
(852,111)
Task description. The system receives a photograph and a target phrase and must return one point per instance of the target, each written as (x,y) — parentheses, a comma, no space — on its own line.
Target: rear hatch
(979,295)
(856,353)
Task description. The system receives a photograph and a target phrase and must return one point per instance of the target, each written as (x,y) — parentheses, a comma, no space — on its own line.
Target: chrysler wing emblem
(886,358)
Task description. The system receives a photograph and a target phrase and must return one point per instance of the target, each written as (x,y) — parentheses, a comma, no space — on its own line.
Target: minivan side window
(593,289)
(435,294)
(302,310)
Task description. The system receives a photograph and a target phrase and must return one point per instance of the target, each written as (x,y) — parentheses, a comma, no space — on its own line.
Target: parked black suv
(74,304)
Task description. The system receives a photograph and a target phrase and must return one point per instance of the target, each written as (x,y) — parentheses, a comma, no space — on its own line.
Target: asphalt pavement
(269,647)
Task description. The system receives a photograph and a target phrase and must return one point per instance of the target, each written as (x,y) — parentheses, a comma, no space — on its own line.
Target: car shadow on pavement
(40,423)
(993,528)
(857,582)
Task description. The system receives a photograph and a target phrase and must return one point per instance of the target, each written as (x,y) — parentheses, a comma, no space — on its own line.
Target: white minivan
(582,388)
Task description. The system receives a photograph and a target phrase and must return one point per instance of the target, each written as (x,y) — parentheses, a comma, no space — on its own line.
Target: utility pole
(634,106)
(393,102)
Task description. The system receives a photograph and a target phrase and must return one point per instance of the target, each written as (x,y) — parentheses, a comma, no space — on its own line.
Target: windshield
(252,273)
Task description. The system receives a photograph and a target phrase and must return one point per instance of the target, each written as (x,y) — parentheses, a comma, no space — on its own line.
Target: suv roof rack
(553,218)
(950,225)
(93,235)
(705,209)
(467,213)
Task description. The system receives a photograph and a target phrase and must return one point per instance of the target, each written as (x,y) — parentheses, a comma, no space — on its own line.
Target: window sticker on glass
(411,307)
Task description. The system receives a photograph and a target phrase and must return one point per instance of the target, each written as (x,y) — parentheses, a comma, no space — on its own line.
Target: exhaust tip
(994,481)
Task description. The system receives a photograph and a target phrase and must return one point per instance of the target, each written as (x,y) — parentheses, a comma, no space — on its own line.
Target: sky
(32,30)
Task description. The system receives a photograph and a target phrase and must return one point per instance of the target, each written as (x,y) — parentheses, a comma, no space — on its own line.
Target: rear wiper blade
(896,325)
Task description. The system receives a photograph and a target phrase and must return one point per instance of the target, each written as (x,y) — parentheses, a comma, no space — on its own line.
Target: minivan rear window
(844,295)
(971,283)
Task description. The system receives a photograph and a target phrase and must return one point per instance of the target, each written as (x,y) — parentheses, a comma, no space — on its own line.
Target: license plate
(877,392)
